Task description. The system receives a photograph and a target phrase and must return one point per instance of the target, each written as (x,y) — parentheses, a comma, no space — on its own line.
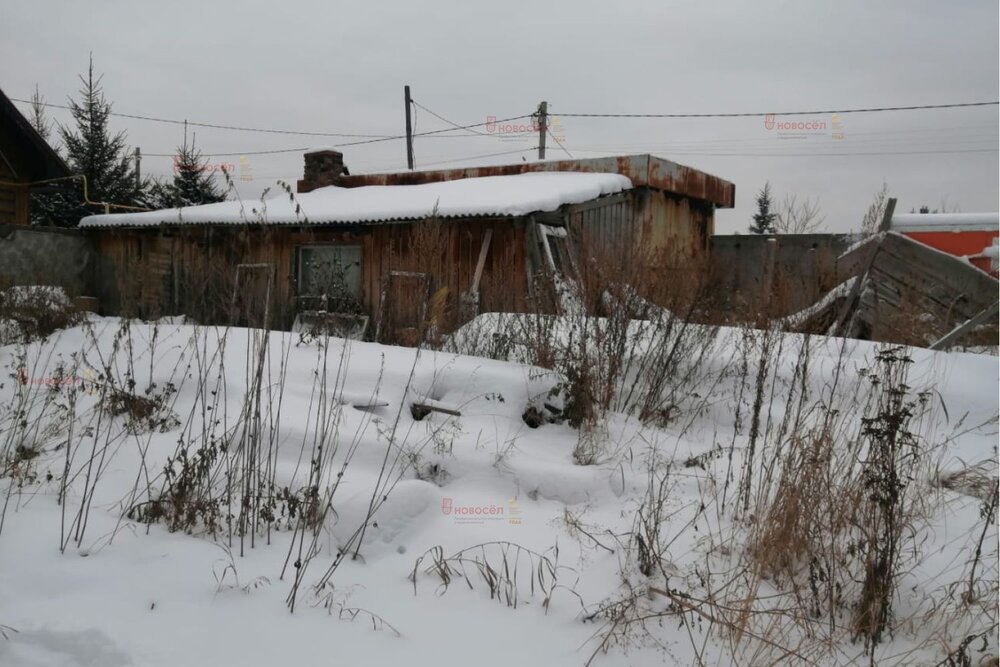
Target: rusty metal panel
(643,170)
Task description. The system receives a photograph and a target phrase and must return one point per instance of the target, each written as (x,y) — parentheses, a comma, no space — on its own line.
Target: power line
(214,125)
(796,145)
(471,157)
(926,134)
(680,145)
(917,107)
(486,155)
(547,129)
(452,123)
(368,138)
(238,154)
(691,143)
(432,132)
(840,154)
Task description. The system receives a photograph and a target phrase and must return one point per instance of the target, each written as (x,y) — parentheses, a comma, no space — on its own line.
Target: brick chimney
(322,168)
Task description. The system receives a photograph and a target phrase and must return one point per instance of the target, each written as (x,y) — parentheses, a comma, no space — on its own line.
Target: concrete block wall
(796,269)
(47,256)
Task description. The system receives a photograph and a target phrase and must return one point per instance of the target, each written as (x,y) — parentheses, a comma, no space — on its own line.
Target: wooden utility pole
(409,129)
(543,128)
(138,169)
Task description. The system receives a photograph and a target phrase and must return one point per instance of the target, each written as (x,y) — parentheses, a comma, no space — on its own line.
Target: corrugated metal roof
(488,196)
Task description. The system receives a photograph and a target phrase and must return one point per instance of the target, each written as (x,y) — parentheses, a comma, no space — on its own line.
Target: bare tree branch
(795,217)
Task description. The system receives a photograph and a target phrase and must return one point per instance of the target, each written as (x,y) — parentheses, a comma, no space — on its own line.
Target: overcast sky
(341,67)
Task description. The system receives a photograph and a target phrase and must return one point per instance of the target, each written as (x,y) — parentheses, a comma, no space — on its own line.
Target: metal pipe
(86,196)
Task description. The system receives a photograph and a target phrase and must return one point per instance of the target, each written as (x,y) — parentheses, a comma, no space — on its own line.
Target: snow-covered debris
(514,195)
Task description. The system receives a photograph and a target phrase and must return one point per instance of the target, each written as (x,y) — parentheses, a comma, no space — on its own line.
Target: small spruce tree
(38,119)
(192,183)
(763,219)
(42,204)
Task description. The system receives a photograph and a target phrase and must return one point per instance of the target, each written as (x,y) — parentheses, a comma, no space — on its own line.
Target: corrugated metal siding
(646,225)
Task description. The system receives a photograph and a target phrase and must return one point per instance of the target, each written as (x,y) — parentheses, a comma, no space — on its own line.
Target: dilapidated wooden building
(401,249)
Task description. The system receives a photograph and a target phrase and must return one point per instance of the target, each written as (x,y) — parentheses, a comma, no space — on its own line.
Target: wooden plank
(961,330)
(920,289)
(420,410)
(955,274)
(844,321)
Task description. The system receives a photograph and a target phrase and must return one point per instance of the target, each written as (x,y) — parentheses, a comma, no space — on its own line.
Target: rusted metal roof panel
(643,170)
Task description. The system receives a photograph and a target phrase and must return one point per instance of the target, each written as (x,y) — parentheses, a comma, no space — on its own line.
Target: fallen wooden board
(420,409)
(956,334)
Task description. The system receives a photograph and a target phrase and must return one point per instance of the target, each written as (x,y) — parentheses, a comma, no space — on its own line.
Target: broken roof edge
(644,170)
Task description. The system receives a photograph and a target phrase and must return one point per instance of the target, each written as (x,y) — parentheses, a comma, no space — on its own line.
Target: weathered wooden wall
(192,270)
(13,198)
(163,271)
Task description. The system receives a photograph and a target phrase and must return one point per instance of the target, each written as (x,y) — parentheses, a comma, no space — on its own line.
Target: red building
(969,235)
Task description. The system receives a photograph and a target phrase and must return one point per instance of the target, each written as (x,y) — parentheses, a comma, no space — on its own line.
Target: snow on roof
(945,222)
(487,196)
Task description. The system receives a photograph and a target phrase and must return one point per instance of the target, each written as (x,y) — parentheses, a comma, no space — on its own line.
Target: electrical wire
(549,130)
(433,132)
(369,138)
(840,154)
(849,140)
(806,144)
(452,123)
(463,159)
(214,125)
(916,107)
(240,154)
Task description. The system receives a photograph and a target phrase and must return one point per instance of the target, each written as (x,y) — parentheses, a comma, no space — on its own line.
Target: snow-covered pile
(339,422)
(513,195)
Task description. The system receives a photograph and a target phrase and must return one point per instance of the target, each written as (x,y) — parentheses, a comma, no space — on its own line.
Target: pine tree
(38,119)
(192,183)
(763,219)
(95,153)
(42,204)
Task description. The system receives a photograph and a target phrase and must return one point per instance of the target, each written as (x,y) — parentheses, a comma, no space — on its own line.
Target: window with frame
(331,273)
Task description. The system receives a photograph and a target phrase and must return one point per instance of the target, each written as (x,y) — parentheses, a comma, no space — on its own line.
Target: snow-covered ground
(85,582)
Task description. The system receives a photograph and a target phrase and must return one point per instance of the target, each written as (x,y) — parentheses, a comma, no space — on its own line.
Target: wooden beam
(845,319)
(962,329)
(482,261)
(421,410)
